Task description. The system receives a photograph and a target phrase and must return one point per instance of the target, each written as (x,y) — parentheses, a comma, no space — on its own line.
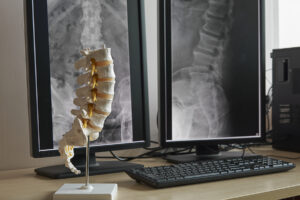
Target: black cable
(176,152)
(125,157)
(235,146)
(243,147)
(284,157)
(117,157)
(269,106)
(135,157)
(269,90)
(189,150)
(244,150)
(249,148)
(132,157)
(151,148)
(272,155)
(268,121)
(180,152)
(148,154)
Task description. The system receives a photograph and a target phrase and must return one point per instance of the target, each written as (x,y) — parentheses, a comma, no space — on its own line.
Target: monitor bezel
(165,83)
(37,54)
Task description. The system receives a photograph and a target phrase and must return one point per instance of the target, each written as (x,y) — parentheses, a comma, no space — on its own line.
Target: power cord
(243,147)
(269,102)
(151,148)
(243,154)
(277,156)
(128,158)
(150,154)
(284,157)
(136,157)
(155,152)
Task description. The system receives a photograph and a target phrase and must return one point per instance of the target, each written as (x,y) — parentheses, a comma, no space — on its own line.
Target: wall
(272,41)
(289,30)
(14,121)
(282,30)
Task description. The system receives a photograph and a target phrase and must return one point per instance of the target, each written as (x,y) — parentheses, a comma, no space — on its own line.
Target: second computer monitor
(212,72)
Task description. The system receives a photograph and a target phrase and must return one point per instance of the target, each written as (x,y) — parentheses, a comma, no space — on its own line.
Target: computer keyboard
(204,171)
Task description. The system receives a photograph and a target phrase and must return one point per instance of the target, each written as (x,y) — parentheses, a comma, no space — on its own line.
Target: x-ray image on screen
(73,26)
(215,66)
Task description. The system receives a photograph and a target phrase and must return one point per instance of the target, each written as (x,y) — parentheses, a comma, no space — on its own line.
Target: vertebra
(213,33)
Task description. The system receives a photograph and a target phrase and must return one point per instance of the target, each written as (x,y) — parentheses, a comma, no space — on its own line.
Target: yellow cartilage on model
(91,108)
(85,123)
(94,100)
(94,94)
(94,80)
(93,63)
(103,63)
(105,96)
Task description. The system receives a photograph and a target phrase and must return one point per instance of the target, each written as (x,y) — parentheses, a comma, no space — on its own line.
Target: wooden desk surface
(24,184)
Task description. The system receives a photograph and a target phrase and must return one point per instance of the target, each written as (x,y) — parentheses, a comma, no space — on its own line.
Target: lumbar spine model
(94,100)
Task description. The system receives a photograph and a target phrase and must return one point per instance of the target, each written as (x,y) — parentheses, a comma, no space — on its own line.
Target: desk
(24,184)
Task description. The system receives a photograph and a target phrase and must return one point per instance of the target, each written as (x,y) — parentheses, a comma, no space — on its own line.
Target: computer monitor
(211,73)
(56,32)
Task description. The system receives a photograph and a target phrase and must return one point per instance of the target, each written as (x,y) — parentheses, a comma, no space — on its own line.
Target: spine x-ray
(211,60)
(78,24)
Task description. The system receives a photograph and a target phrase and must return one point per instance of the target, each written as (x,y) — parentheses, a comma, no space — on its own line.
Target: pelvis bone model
(94,100)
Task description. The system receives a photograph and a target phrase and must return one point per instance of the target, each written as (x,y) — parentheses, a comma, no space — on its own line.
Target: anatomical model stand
(94,100)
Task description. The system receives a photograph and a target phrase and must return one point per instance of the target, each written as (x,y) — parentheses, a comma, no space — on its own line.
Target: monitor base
(104,167)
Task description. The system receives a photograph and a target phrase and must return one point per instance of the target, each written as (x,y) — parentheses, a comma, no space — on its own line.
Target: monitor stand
(205,152)
(103,167)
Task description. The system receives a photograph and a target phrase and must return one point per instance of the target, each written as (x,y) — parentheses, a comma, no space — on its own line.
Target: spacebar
(202,175)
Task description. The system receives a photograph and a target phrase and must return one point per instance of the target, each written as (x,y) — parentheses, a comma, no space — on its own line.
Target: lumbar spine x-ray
(101,22)
(199,105)
(94,100)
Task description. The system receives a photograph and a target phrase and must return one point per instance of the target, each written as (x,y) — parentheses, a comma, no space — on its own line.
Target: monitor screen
(60,29)
(91,25)
(213,70)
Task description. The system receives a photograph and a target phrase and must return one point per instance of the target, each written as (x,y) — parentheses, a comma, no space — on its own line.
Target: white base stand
(77,192)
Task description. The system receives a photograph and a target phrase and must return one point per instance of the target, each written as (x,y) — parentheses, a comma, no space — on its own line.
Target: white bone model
(94,100)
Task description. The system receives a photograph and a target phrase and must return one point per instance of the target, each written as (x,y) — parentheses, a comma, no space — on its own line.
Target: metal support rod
(87,162)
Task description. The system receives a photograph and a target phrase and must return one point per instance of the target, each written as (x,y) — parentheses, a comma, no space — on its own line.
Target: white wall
(282,29)
(14,132)
(289,29)
(14,121)
(272,36)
